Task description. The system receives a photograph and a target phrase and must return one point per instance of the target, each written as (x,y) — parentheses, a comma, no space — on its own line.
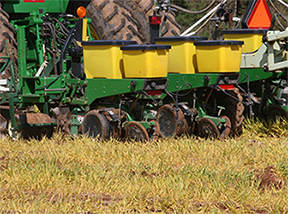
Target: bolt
(206,78)
(133,84)
(153,84)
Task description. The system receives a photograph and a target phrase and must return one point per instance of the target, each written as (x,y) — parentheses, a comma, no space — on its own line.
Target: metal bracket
(113,116)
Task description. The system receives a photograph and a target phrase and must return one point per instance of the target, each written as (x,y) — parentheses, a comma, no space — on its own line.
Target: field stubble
(248,174)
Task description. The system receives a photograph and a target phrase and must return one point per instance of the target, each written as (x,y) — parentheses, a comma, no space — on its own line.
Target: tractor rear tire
(234,109)
(8,44)
(126,20)
(112,20)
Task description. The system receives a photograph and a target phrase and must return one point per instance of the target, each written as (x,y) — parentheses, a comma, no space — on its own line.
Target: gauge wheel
(167,121)
(96,125)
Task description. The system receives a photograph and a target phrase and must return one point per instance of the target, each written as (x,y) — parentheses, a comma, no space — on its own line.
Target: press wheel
(207,129)
(136,132)
(96,125)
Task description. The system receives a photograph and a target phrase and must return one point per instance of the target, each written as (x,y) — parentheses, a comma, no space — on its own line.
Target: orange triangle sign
(260,17)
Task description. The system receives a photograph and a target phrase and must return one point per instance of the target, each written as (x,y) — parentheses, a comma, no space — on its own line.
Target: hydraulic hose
(189,11)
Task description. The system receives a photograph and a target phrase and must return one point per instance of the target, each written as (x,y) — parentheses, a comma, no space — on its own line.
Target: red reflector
(155,20)
(35,1)
(226,87)
(154,93)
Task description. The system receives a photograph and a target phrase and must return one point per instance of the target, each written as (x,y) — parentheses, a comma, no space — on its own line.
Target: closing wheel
(167,121)
(136,132)
(96,125)
(207,129)
(275,112)
(154,132)
(226,128)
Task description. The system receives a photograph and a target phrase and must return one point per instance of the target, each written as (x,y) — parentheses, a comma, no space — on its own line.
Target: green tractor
(56,77)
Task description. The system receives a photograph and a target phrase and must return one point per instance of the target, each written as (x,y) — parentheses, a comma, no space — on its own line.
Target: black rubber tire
(7,35)
(167,121)
(96,125)
(112,20)
(126,20)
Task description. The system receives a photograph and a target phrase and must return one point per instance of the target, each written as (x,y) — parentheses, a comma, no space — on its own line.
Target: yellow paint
(252,42)
(145,63)
(103,61)
(182,57)
(84,31)
(218,58)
